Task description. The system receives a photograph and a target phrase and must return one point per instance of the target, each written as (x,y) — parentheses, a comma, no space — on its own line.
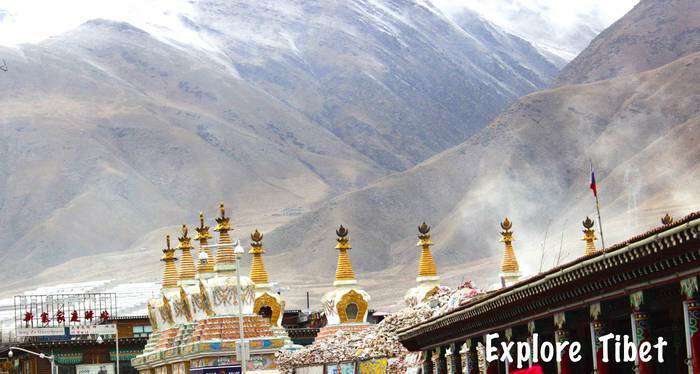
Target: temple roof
(673,247)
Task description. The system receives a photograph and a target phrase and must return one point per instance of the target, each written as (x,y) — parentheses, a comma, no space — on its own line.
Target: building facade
(205,308)
(645,288)
(79,354)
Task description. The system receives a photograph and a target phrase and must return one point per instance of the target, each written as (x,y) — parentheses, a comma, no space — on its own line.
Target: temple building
(346,307)
(195,320)
(645,288)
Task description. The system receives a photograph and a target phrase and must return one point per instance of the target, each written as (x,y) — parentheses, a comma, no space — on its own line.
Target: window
(142,331)
(351,311)
(265,312)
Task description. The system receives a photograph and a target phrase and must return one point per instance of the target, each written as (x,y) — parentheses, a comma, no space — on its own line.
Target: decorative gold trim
(203,303)
(431,293)
(152,317)
(182,307)
(269,301)
(347,299)
(165,312)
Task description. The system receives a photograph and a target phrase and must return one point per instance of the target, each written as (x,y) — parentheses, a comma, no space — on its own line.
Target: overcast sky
(548,23)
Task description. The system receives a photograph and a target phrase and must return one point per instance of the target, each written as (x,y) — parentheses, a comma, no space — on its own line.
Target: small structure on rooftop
(347,305)
(428,279)
(510,270)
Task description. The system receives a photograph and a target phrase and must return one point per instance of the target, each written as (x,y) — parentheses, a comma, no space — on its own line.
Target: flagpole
(597,206)
(600,222)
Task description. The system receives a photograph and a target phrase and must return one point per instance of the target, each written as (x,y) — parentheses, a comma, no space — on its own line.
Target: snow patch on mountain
(555,27)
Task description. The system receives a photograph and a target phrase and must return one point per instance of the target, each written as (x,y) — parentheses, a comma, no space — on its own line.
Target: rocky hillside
(654,33)
(111,134)
(530,164)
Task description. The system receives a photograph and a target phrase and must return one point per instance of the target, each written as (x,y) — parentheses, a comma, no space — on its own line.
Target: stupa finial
(225,256)
(589,236)
(344,269)
(510,270)
(426,264)
(258,274)
(187,270)
(170,271)
(207,264)
(667,219)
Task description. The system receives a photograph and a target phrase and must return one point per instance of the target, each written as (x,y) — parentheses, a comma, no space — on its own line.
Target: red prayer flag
(593,186)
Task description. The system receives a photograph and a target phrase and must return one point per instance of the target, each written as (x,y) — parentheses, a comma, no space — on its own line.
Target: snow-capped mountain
(124,127)
(559,29)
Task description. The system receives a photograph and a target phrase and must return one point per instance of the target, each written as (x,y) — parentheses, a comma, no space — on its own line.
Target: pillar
(439,361)
(471,357)
(562,334)
(530,330)
(691,306)
(640,330)
(455,359)
(427,362)
(597,329)
(510,366)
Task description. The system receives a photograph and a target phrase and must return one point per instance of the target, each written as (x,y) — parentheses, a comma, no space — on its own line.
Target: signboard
(225,369)
(40,331)
(110,329)
(59,310)
(95,369)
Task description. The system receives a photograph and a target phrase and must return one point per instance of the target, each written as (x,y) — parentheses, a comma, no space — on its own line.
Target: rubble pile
(380,340)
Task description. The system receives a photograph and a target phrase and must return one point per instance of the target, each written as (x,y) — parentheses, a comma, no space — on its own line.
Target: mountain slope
(378,74)
(111,134)
(530,164)
(652,34)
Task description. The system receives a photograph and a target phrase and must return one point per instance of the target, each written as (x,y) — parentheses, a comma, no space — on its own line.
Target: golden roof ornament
(203,237)
(667,219)
(224,255)
(344,269)
(589,236)
(257,268)
(187,270)
(426,264)
(510,262)
(170,271)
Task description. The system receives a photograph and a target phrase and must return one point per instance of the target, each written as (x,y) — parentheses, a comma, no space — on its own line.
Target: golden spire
(510,262)
(589,236)
(344,270)
(667,219)
(203,237)
(426,264)
(187,271)
(224,255)
(257,268)
(170,271)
